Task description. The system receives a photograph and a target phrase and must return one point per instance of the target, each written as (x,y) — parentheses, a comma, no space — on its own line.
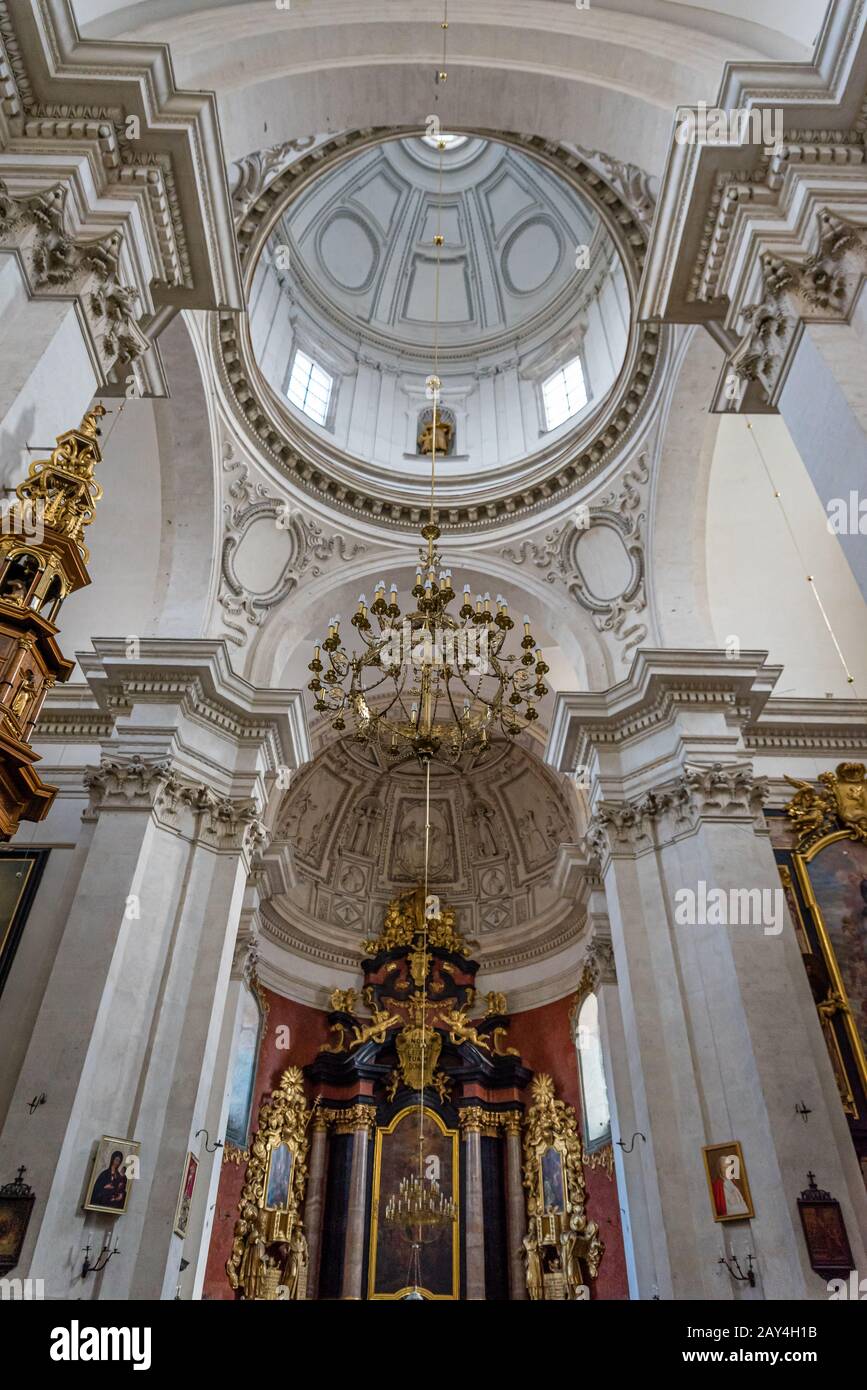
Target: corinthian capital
(640,824)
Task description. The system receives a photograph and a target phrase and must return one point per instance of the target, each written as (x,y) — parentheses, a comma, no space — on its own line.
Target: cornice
(198,674)
(137,78)
(821,103)
(333,478)
(659,683)
(113,187)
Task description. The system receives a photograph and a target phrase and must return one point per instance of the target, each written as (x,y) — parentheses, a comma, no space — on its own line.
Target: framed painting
(20,872)
(113,1172)
(396,1150)
(833,876)
(552,1180)
(727,1181)
(185,1196)
(278,1177)
(16,1208)
(244,1065)
(824,1231)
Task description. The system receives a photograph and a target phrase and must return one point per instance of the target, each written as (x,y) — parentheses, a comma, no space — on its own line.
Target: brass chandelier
(419,1206)
(429,684)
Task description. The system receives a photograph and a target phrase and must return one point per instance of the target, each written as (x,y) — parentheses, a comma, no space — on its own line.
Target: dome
(529,297)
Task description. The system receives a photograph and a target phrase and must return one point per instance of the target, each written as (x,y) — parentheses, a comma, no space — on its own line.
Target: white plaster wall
(757,580)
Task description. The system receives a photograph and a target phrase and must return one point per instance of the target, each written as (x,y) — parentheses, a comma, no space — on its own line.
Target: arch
(612,74)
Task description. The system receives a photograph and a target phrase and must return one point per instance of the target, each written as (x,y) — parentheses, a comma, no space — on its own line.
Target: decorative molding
(309,549)
(191,809)
(821,287)
(675,810)
(624,509)
(351,1119)
(838,805)
(57,262)
(137,158)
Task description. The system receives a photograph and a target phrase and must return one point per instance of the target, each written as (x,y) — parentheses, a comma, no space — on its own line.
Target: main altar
(417,1156)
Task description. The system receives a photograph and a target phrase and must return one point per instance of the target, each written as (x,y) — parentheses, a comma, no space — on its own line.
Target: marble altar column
(516,1211)
(474,1213)
(721,1035)
(315,1199)
(360,1122)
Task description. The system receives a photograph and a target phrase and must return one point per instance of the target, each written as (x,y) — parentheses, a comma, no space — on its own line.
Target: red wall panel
(544,1039)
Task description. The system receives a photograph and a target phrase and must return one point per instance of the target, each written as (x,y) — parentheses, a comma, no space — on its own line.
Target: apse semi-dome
(531,299)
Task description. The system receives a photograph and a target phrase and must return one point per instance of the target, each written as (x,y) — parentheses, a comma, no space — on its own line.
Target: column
(516,1212)
(474,1214)
(719,1027)
(315,1200)
(127,1039)
(361,1121)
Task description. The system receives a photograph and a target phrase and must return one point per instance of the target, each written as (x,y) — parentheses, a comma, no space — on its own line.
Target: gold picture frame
(109,1185)
(801,860)
(448,1134)
(185,1196)
(727,1182)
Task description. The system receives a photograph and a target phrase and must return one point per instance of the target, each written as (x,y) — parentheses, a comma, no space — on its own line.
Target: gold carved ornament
(63,489)
(254,1267)
(405,921)
(835,809)
(559,1245)
(840,803)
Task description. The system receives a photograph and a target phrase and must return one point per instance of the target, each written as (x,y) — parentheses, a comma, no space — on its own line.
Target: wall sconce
(209,1147)
(737,1273)
(102,1258)
(636,1135)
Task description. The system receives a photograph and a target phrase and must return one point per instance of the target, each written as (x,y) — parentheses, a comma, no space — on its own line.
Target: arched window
(594,1093)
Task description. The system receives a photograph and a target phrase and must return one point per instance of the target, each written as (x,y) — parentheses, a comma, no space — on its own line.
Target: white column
(719,1026)
(127,1040)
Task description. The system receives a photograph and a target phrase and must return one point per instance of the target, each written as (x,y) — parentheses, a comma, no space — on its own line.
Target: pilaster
(176,824)
(718,1026)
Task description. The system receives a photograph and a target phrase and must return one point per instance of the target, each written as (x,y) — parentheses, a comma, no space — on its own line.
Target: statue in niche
(535,844)
(23,698)
(440,438)
(484,839)
(533,1265)
(364,837)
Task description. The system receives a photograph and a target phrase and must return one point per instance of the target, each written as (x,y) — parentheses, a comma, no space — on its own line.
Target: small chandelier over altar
(429,683)
(419,1205)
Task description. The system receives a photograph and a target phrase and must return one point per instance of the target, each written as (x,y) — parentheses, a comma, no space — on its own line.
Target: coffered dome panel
(358,829)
